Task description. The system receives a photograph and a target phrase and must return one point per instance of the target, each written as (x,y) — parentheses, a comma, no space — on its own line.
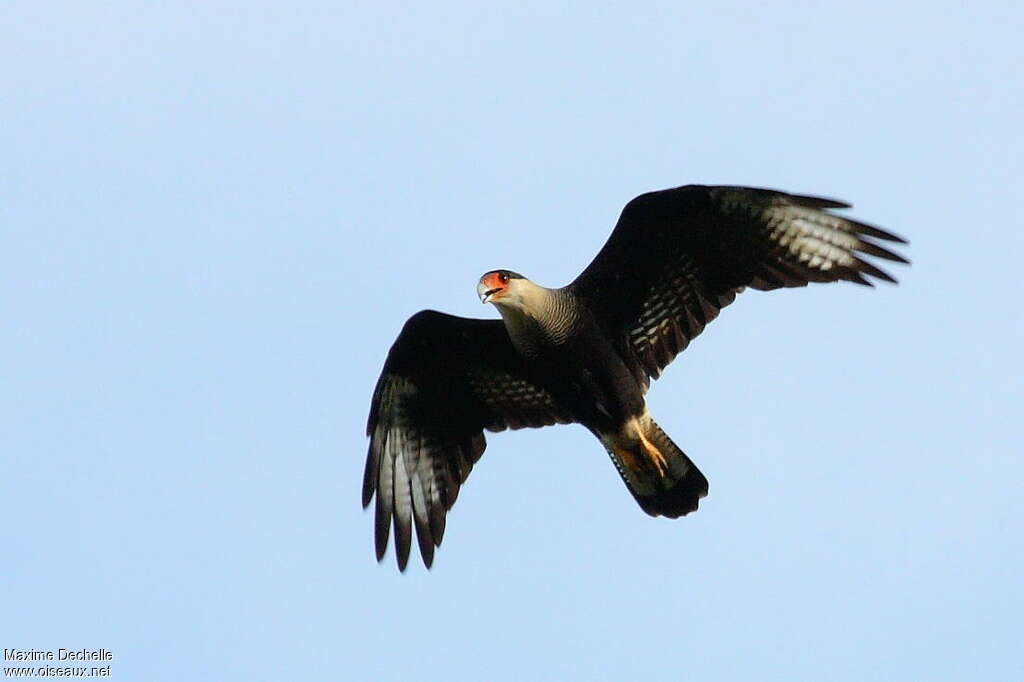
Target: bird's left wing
(445,380)
(678,256)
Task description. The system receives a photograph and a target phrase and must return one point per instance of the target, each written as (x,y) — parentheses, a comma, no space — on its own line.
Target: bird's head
(500,287)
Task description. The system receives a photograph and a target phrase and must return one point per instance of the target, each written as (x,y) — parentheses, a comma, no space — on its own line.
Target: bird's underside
(586,353)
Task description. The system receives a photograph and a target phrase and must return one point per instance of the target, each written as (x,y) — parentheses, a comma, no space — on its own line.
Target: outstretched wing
(678,256)
(445,380)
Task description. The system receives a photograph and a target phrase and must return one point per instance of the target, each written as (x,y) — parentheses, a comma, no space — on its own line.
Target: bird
(586,353)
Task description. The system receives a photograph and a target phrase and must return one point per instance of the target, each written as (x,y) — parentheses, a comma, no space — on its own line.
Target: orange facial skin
(492,285)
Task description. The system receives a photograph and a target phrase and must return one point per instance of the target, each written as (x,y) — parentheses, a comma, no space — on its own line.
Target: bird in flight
(586,353)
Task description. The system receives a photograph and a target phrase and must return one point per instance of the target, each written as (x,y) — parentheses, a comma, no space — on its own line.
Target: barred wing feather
(445,380)
(677,257)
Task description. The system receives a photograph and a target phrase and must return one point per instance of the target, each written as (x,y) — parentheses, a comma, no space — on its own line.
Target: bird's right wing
(445,380)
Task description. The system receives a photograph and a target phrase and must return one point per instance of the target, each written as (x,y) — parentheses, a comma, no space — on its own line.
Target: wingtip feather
(381,529)
(877,232)
(865,267)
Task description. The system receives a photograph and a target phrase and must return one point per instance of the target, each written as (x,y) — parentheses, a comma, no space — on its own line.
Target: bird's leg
(653,454)
(631,447)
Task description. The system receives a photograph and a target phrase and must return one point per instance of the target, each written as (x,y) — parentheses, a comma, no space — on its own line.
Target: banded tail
(660,475)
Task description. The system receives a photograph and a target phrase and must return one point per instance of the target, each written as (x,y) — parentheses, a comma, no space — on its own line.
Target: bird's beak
(490,285)
(484,292)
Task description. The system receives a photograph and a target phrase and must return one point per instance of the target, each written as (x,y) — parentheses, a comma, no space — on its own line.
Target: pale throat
(526,332)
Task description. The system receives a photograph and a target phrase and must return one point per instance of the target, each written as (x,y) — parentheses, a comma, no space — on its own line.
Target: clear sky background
(217,216)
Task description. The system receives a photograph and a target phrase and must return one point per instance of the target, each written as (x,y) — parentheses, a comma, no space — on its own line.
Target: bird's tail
(660,475)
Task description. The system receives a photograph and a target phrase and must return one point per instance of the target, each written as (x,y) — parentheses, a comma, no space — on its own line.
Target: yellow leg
(634,451)
(653,455)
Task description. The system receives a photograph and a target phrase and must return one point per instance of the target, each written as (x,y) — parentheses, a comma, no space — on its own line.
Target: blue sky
(217,217)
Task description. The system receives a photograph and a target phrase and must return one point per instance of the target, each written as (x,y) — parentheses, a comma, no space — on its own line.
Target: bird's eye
(503,277)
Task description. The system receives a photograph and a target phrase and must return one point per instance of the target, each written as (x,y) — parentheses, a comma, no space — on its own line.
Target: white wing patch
(815,239)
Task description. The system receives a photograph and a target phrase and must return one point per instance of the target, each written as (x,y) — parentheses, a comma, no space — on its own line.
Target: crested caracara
(585,353)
